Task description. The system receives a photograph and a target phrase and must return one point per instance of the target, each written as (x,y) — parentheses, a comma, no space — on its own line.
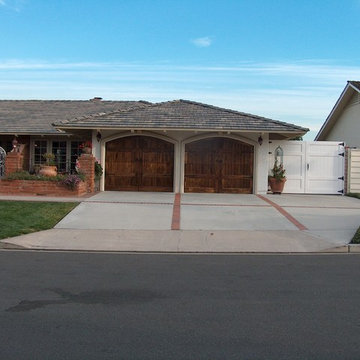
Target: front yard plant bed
(24,175)
(356,238)
(23,183)
(22,217)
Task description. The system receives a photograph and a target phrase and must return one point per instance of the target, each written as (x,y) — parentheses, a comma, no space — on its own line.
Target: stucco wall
(347,127)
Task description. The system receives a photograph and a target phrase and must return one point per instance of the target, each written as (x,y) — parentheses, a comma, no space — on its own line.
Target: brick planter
(40,187)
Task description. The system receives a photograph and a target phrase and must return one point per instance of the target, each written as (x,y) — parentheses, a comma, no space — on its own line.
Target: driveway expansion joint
(175,222)
(283,212)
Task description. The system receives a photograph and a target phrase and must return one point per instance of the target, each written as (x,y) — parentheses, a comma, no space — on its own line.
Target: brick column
(14,161)
(87,167)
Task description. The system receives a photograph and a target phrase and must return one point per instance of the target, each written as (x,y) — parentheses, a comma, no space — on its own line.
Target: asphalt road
(118,306)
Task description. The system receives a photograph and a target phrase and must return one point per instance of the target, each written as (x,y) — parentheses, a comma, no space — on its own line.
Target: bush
(24,175)
(81,175)
(98,170)
(71,181)
(356,238)
(355,195)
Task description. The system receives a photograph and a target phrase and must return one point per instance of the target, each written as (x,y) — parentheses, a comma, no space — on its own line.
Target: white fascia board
(334,109)
(295,131)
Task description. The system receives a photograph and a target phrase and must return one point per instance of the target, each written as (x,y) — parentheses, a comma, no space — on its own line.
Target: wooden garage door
(219,165)
(139,163)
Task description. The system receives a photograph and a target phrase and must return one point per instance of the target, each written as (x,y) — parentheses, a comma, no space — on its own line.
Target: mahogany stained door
(139,163)
(219,165)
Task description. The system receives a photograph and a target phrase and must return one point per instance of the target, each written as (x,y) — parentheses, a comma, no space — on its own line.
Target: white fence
(354,171)
(312,167)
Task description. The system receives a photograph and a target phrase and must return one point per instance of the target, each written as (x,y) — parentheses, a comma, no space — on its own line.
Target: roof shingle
(180,114)
(37,116)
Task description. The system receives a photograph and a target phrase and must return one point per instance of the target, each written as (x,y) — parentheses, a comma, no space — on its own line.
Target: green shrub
(355,195)
(98,170)
(24,175)
(71,181)
(81,175)
(356,238)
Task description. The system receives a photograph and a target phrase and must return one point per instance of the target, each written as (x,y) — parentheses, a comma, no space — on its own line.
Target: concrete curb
(215,242)
(354,248)
(350,248)
(10,246)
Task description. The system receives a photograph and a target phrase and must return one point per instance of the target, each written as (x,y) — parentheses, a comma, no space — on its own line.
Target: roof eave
(23,133)
(296,131)
(331,119)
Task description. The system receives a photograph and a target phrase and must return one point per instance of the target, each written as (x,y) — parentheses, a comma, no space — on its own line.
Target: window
(6,145)
(66,153)
(59,150)
(40,148)
(74,154)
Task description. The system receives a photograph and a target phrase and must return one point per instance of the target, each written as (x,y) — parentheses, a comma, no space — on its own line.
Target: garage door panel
(236,184)
(139,163)
(158,183)
(200,183)
(200,170)
(237,168)
(121,183)
(219,165)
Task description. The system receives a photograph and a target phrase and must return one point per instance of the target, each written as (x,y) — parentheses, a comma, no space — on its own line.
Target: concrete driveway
(157,211)
(131,221)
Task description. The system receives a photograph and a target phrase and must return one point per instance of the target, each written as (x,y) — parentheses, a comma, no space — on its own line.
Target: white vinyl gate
(312,167)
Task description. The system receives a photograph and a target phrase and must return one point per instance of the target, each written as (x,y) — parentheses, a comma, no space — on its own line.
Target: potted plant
(277,178)
(49,169)
(86,147)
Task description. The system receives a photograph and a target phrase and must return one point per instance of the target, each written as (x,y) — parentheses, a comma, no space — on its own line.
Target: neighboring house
(179,146)
(343,123)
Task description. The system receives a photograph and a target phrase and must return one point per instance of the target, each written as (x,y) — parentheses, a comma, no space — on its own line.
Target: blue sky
(283,59)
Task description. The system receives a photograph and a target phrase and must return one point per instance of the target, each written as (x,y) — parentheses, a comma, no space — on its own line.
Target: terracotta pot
(48,170)
(277,186)
(87,150)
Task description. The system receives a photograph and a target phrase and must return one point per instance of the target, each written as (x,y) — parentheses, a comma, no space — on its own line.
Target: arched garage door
(219,165)
(139,163)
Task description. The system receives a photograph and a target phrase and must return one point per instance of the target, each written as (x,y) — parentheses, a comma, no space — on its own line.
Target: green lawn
(23,217)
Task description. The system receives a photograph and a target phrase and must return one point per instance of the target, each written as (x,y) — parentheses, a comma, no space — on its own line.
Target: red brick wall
(22,139)
(13,162)
(39,187)
(87,167)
